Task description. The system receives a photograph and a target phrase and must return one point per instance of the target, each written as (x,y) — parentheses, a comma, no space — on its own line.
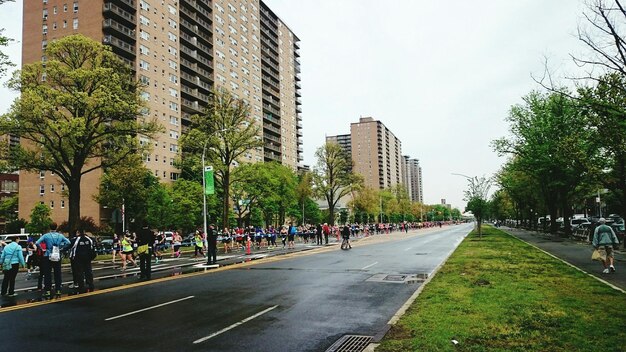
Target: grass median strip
(500,294)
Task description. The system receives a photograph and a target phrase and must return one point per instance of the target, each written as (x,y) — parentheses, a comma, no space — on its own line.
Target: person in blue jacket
(11,258)
(52,239)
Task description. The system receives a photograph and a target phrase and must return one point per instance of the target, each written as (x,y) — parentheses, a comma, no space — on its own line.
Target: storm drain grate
(350,343)
(395,277)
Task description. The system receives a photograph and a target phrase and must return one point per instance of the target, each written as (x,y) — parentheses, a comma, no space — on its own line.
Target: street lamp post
(204,169)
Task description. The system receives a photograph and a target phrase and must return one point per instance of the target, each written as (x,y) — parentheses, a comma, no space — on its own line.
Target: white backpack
(55,256)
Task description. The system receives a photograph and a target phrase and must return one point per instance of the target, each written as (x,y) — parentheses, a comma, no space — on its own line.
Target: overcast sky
(440,75)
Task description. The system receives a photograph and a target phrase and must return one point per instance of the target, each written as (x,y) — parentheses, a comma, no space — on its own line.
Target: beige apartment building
(376,152)
(412,172)
(179,49)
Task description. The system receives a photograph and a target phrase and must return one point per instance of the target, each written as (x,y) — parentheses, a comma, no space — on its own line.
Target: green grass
(500,294)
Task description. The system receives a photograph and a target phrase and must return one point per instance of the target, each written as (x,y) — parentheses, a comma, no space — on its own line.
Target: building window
(174,120)
(75,23)
(62,203)
(144,65)
(42,190)
(64,23)
(64,7)
(75,7)
(54,10)
(45,14)
(51,204)
(44,29)
(52,188)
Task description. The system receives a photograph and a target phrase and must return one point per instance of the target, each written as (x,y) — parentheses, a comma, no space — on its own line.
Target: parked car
(105,246)
(188,241)
(619,231)
(584,231)
(576,222)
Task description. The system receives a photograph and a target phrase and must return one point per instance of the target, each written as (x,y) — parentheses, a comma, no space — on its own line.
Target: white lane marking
(149,308)
(235,325)
(365,267)
(408,248)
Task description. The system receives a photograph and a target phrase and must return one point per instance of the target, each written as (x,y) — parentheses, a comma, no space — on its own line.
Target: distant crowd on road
(44,255)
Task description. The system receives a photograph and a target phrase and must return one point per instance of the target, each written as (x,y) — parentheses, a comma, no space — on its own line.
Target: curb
(400,312)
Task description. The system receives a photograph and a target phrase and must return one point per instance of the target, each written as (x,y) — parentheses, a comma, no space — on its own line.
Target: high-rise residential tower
(180,50)
(376,152)
(412,172)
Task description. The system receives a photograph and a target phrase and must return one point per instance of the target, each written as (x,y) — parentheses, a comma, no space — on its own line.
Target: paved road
(576,253)
(299,302)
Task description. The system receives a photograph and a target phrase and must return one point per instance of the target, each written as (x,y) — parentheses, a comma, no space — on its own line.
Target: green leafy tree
(332,179)
(187,205)
(550,144)
(476,197)
(15,226)
(605,109)
(501,206)
(366,204)
(8,208)
(39,219)
(159,207)
(77,113)
(129,184)
(225,132)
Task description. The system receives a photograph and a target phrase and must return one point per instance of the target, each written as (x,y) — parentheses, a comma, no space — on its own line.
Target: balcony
(269,44)
(299,125)
(272,138)
(123,48)
(271,119)
(110,24)
(197,7)
(130,4)
(270,61)
(269,35)
(271,83)
(272,156)
(299,132)
(271,128)
(270,109)
(119,13)
(187,51)
(272,147)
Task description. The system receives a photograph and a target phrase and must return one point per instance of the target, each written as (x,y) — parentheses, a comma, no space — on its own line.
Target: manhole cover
(350,343)
(395,278)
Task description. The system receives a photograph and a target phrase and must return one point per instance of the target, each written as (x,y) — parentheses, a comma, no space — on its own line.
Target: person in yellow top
(199,240)
(127,251)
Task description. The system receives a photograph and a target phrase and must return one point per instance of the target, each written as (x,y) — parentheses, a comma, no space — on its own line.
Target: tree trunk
(226,197)
(331,215)
(74,204)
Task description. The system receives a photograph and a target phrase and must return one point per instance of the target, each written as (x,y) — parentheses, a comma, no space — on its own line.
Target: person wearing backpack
(11,259)
(52,258)
(82,253)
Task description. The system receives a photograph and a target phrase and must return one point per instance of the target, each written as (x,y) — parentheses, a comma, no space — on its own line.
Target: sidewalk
(574,252)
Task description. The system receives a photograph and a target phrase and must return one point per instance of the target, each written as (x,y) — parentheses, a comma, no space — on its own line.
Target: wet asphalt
(302,301)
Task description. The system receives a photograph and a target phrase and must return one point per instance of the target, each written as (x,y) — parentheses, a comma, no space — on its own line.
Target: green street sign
(209,184)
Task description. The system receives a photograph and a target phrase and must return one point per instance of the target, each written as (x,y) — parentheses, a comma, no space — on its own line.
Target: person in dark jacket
(211,238)
(318,234)
(145,237)
(82,253)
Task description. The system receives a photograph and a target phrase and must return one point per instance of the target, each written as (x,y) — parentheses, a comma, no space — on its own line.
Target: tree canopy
(78,112)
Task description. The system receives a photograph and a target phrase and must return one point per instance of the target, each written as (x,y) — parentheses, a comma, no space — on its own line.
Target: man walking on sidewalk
(604,238)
